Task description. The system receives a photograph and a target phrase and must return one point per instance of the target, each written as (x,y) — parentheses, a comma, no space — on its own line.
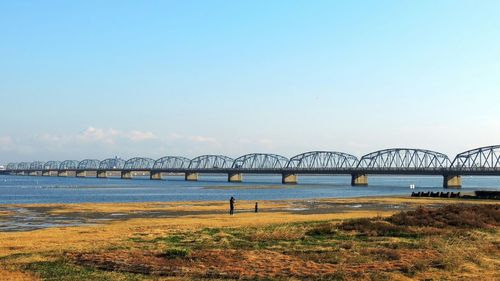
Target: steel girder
(171,162)
(69,165)
(482,158)
(404,159)
(323,160)
(52,165)
(23,166)
(112,164)
(12,166)
(37,166)
(211,162)
(89,164)
(137,163)
(258,161)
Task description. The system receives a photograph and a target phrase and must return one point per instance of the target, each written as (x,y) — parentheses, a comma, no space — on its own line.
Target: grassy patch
(416,244)
(462,216)
(63,271)
(174,253)
(173,239)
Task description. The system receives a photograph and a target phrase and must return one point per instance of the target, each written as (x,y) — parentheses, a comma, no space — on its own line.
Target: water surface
(32,189)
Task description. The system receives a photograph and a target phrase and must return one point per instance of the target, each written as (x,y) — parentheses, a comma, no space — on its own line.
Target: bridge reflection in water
(483,161)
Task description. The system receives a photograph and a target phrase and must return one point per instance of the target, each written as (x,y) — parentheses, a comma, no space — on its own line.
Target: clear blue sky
(96,79)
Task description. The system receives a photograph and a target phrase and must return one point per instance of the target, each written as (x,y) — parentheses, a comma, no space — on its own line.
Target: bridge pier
(126,175)
(289,178)
(452,181)
(191,176)
(83,174)
(155,176)
(359,179)
(235,177)
(66,173)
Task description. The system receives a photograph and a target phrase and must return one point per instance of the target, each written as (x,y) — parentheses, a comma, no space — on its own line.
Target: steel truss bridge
(483,161)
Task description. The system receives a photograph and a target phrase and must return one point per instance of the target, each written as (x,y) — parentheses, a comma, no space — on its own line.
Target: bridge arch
(52,165)
(69,165)
(112,164)
(37,166)
(404,159)
(12,166)
(482,158)
(171,162)
(211,162)
(138,163)
(323,160)
(89,164)
(260,161)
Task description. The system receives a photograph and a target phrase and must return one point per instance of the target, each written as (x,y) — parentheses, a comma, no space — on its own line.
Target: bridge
(483,161)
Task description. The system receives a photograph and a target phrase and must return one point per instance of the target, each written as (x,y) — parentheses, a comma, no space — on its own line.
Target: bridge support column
(66,173)
(235,177)
(452,181)
(155,176)
(289,178)
(102,174)
(126,175)
(359,179)
(191,176)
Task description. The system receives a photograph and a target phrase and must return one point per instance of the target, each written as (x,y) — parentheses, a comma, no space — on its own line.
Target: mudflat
(287,239)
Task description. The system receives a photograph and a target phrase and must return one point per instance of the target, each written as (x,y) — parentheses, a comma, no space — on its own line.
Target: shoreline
(35,217)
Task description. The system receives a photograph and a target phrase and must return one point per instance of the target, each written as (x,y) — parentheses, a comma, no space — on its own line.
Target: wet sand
(29,217)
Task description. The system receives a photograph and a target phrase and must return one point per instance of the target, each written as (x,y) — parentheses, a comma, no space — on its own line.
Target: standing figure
(231,205)
(256,207)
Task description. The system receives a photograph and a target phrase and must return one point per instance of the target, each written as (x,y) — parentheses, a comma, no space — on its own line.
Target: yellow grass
(87,238)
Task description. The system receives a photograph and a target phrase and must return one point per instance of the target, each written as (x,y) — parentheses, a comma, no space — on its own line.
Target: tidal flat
(383,238)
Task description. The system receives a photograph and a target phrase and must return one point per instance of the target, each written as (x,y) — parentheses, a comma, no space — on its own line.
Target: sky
(98,79)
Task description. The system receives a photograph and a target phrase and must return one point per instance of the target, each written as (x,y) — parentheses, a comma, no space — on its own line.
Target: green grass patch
(174,253)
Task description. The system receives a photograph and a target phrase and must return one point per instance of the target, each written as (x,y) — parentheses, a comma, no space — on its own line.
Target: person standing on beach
(231,205)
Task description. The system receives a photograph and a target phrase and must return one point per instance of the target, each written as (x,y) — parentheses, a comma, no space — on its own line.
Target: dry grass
(274,244)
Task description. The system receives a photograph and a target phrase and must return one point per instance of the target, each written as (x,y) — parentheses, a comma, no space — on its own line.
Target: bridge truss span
(171,163)
(479,160)
(260,161)
(37,166)
(12,166)
(69,165)
(89,164)
(112,164)
(24,166)
(211,162)
(404,160)
(323,160)
(139,163)
(51,165)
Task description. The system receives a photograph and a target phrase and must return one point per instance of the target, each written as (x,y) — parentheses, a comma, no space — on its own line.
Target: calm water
(24,189)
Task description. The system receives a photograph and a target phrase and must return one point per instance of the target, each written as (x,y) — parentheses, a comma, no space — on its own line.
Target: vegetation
(456,242)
